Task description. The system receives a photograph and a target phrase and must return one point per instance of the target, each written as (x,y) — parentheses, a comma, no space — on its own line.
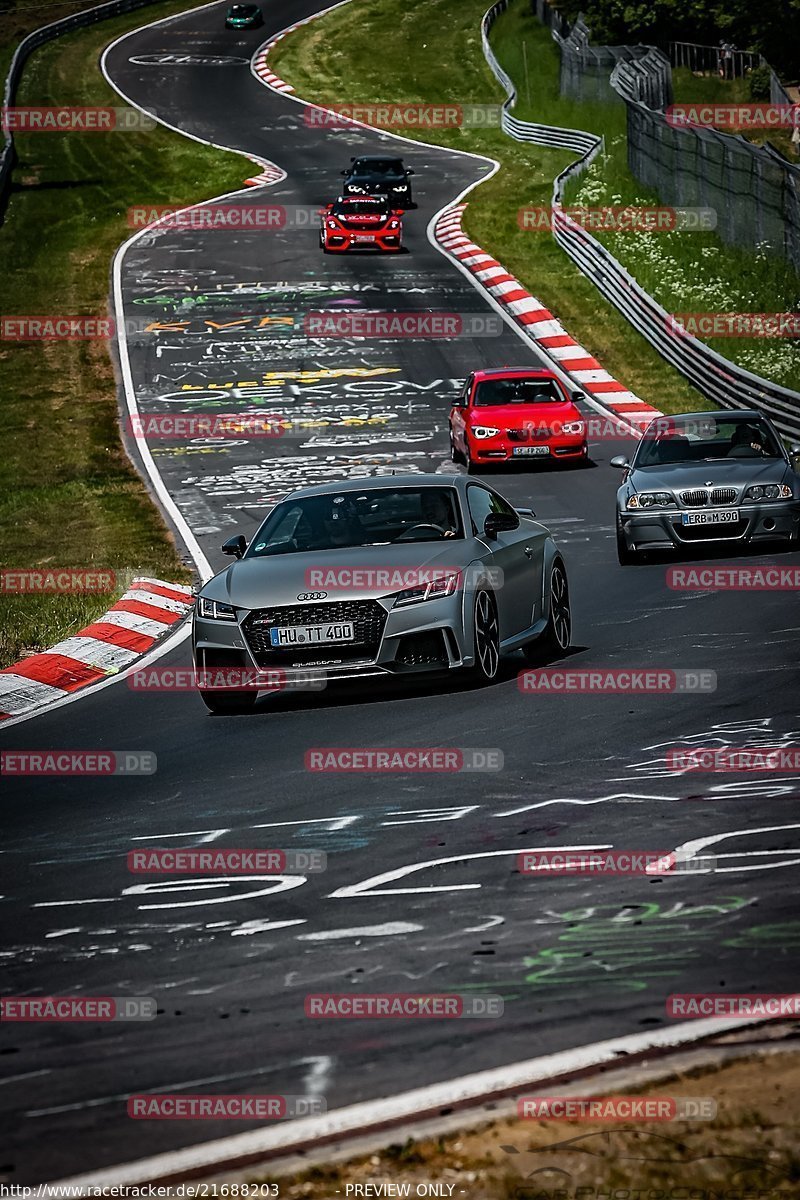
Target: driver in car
(436,510)
(747,442)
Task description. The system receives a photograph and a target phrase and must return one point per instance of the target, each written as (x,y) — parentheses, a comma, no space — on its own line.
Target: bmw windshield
(493,392)
(372,517)
(706,439)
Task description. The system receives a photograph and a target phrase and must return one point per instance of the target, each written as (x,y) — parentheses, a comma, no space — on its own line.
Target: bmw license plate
(530,450)
(714,516)
(311,635)
(364,237)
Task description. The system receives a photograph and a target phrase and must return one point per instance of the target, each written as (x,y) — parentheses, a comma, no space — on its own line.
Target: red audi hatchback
(516,413)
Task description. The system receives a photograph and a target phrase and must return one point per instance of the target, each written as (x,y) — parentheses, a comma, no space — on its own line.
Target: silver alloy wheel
(560,615)
(487,636)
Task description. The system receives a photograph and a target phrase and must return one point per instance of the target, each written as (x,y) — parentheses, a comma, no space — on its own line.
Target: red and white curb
(129,629)
(270,173)
(262,67)
(540,325)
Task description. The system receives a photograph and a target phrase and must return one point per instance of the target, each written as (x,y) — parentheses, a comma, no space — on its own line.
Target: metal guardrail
(39,37)
(717,378)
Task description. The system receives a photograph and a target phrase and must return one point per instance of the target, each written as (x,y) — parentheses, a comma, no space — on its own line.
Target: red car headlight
(574,427)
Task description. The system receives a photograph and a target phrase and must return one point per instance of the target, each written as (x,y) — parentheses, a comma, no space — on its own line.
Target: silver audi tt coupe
(379,577)
(705,479)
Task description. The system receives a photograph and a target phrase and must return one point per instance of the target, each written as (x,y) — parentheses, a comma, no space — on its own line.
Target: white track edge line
(360,1118)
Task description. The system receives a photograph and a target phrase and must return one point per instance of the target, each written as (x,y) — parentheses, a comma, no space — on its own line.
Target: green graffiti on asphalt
(623,949)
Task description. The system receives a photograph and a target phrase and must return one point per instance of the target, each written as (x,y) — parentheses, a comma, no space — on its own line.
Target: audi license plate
(530,450)
(714,516)
(304,635)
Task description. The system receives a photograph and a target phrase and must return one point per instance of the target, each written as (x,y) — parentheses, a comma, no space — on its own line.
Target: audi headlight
(573,427)
(768,491)
(650,500)
(483,431)
(435,589)
(214,611)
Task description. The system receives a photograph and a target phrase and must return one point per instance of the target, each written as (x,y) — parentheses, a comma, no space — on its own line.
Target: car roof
(378,481)
(749,414)
(368,158)
(514,373)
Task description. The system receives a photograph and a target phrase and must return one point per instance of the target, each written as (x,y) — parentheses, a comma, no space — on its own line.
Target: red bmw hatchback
(515,413)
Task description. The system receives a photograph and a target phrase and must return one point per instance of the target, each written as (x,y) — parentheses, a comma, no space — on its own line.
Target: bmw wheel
(555,641)
(486,638)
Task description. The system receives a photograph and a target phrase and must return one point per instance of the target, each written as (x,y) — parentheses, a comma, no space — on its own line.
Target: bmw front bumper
(664,529)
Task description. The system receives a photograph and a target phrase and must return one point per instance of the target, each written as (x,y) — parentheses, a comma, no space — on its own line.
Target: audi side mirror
(235,545)
(498,522)
(619,461)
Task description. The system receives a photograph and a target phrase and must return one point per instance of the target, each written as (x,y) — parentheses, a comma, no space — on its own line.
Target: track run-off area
(421,891)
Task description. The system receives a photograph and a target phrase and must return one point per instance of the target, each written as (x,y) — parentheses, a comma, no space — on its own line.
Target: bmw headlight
(394,224)
(401,187)
(483,431)
(650,500)
(435,589)
(331,224)
(573,427)
(768,491)
(214,611)
(353,187)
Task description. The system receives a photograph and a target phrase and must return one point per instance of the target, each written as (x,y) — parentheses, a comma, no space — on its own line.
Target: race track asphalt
(576,959)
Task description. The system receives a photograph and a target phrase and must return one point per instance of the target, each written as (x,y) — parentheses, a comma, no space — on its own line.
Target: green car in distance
(243,16)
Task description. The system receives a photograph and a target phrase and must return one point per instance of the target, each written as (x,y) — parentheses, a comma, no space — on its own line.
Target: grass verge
(685,272)
(69,496)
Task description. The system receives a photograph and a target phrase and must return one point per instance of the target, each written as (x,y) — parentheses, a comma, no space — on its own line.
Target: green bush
(758,82)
